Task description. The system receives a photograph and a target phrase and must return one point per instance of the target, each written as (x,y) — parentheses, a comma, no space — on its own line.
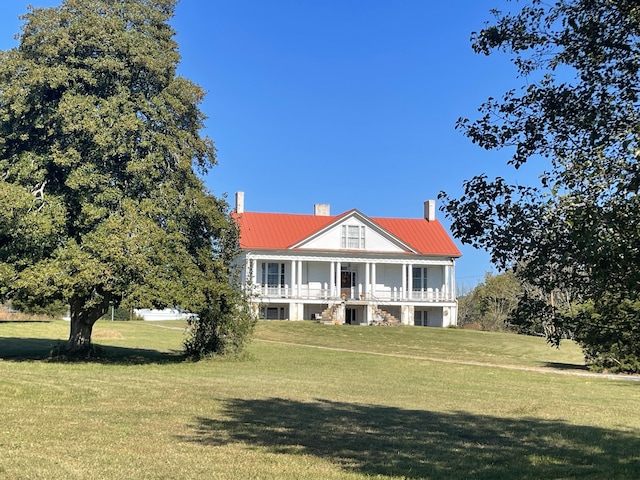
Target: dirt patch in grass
(106,335)
(9,315)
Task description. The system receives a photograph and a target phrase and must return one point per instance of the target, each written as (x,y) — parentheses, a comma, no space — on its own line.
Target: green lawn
(311,401)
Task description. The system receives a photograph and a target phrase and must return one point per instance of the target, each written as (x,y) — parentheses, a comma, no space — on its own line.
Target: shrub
(609,333)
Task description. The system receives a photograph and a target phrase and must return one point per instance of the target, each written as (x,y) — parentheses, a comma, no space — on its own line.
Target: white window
(353,237)
(419,278)
(273,274)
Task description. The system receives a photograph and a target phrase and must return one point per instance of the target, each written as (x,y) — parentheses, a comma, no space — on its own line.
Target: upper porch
(367,280)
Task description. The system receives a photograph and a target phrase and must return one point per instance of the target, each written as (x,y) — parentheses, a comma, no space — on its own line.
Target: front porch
(352,290)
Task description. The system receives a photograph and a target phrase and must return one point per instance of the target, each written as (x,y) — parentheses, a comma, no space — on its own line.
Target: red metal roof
(426,237)
(280,231)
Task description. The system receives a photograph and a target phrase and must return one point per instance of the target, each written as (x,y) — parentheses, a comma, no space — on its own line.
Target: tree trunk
(82,320)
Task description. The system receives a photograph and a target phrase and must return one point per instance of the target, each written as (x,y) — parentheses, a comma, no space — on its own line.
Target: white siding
(389,275)
(329,240)
(317,272)
(435,278)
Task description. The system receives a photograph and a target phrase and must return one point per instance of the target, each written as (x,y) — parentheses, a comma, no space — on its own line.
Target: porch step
(380,316)
(328,315)
(384,318)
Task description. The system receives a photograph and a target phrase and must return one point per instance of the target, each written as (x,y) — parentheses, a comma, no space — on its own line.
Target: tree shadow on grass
(565,366)
(26,321)
(415,444)
(30,349)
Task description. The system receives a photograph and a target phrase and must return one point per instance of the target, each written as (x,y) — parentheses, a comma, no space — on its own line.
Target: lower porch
(361,312)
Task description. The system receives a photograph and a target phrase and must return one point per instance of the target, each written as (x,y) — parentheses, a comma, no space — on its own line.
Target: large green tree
(490,303)
(100,146)
(578,116)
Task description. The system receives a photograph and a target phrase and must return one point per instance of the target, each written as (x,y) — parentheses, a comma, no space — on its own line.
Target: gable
(353,232)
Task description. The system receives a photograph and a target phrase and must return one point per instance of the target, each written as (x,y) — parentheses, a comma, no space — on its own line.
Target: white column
(409,281)
(332,281)
(338,279)
(294,284)
(453,279)
(254,272)
(373,280)
(299,287)
(447,282)
(403,294)
(254,277)
(367,279)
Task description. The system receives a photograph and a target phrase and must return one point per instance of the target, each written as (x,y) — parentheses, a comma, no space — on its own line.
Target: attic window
(353,237)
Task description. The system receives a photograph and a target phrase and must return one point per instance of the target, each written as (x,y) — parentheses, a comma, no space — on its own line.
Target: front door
(347,281)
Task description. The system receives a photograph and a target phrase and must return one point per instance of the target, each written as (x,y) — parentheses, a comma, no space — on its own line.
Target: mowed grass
(311,401)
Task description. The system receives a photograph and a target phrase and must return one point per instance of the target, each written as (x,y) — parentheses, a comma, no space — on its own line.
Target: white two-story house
(348,268)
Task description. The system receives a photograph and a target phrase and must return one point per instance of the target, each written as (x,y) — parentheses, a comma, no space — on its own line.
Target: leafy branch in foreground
(577,230)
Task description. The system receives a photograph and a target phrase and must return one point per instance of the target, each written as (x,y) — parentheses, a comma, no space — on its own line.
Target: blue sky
(347,102)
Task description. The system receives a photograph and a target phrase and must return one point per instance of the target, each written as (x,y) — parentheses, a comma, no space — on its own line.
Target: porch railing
(306,292)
